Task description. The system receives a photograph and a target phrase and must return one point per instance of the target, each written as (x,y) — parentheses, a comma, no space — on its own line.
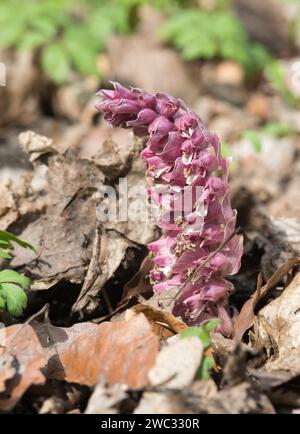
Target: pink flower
(189,183)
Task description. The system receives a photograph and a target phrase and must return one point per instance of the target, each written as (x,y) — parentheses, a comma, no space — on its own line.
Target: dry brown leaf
(19,200)
(63,251)
(141,231)
(22,344)
(246,317)
(36,145)
(277,329)
(109,250)
(122,352)
(177,363)
(163,323)
(279,237)
(8,206)
(66,253)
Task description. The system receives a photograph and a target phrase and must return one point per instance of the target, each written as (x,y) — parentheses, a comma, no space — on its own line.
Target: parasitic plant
(199,246)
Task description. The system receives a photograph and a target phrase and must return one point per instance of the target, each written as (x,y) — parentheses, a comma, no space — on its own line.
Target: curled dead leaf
(277,329)
(36,145)
(246,317)
(163,323)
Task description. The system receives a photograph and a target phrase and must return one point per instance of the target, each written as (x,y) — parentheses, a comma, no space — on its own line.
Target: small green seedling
(202,332)
(13,298)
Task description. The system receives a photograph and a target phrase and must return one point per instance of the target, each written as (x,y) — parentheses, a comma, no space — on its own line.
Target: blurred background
(236,62)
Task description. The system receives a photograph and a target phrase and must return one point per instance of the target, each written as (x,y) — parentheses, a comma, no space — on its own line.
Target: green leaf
(14,297)
(32,40)
(211,325)
(56,62)
(206,365)
(2,303)
(4,255)
(7,236)
(11,34)
(11,276)
(200,332)
(201,34)
(6,244)
(82,51)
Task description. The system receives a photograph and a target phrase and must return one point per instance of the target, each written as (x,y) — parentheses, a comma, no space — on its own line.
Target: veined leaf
(11,276)
(14,298)
(4,255)
(200,34)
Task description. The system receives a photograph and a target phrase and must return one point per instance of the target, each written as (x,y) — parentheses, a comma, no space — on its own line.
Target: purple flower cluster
(198,248)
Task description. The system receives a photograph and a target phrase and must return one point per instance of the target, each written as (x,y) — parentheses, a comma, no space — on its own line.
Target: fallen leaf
(177,363)
(138,227)
(163,323)
(8,206)
(246,317)
(22,344)
(277,329)
(279,237)
(122,352)
(109,251)
(63,252)
(36,145)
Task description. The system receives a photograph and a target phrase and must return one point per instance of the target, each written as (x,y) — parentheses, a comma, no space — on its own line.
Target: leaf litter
(139,351)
